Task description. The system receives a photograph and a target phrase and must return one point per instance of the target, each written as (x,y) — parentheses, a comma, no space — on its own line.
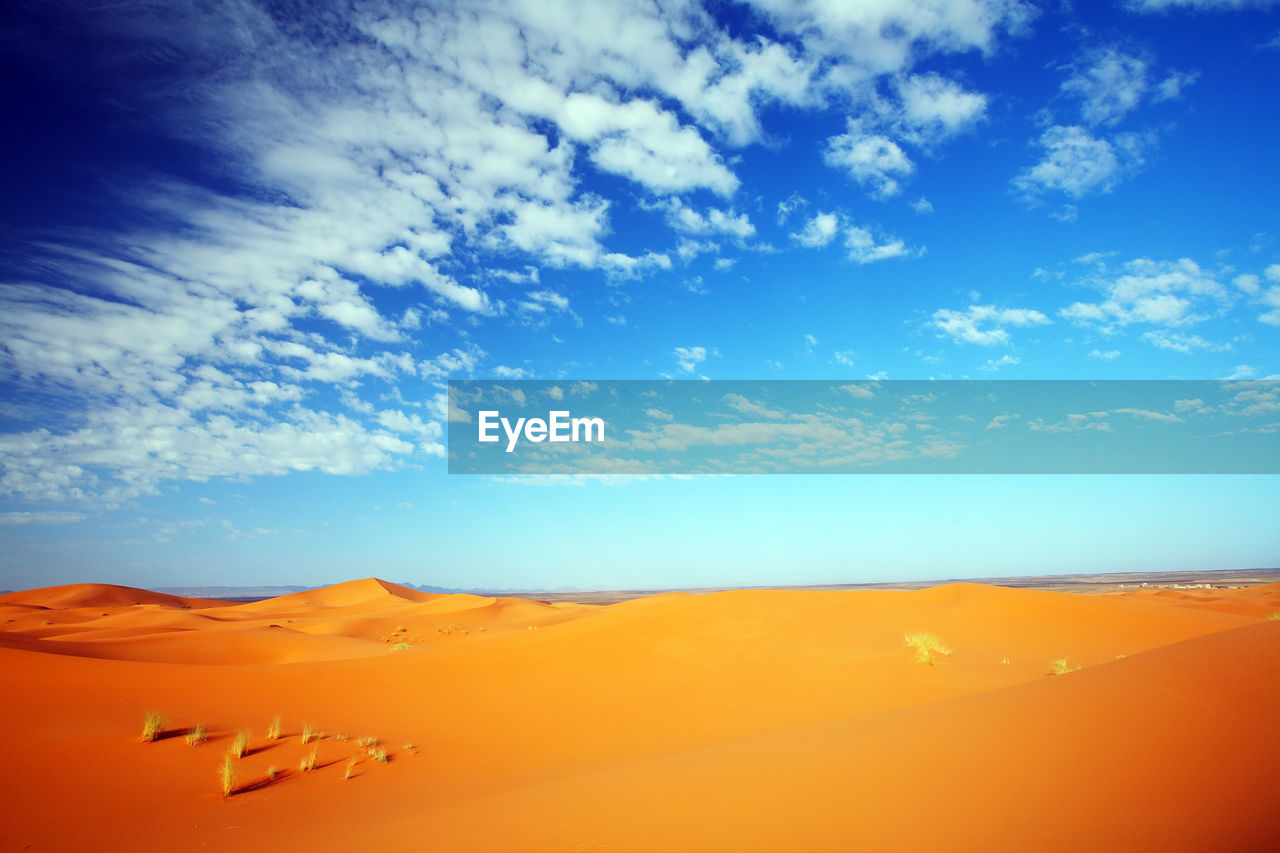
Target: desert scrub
(308,762)
(240,744)
(411,748)
(308,732)
(403,646)
(197,734)
(378,754)
(927,647)
(227,776)
(1061,666)
(1273,616)
(153,723)
(273,730)
(368,741)
(271,773)
(351,766)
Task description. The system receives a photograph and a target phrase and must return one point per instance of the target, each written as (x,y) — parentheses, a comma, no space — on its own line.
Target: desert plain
(748,720)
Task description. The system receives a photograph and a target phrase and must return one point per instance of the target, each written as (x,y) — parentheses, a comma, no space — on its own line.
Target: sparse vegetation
(240,745)
(401,629)
(342,738)
(403,646)
(378,754)
(411,748)
(271,773)
(153,723)
(1062,666)
(351,766)
(197,735)
(308,733)
(227,776)
(368,741)
(1272,616)
(273,730)
(927,647)
(308,762)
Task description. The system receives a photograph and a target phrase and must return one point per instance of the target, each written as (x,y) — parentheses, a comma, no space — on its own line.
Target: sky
(244,247)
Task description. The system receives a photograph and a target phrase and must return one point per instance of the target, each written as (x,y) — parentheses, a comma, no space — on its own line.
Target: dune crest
(72,596)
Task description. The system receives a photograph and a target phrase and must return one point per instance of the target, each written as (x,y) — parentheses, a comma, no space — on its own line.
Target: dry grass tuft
(273,730)
(227,776)
(308,762)
(240,745)
(307,733)
(351,766)
(153,723)
(197,734)
(1062,666)
(927,647)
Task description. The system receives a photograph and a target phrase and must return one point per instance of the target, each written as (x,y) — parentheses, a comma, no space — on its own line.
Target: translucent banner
(868,427)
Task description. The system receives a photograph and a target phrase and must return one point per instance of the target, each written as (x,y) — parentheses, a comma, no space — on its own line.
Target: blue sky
(245,246)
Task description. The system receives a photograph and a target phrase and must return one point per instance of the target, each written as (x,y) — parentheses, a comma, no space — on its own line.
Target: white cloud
(1247,283)
(935,108)
(688,358)
(713,222)
(865,248)
(1109,86)
(1196,5)
(1143,291)
(1178,341)
(1107,355)
(454,362)
(1172,86)
(15,519)
(922,205)
(886,37)
(445,154)
(984,325)
(818,231)
(845,358)
(994,364)
(874,161)
(548,299)
(790,205)
(1077,163)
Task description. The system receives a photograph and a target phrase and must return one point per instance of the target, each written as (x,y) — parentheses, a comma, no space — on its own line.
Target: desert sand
(765,720)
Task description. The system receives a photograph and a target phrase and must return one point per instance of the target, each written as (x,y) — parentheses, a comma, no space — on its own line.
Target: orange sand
(736,721)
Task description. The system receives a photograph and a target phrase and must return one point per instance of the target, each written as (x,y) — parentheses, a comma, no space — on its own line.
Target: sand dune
(749,720)
(98,595)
